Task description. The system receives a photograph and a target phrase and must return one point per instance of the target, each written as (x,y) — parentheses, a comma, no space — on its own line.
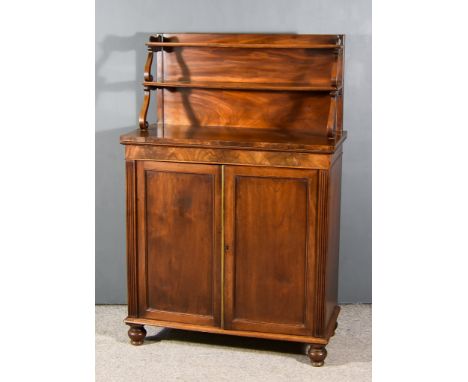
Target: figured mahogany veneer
(233,137)
(233,195)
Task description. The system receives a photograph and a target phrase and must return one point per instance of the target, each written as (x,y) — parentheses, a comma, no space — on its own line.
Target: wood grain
(292,111)
(250,46)
(144,109)
(132,273)
(179,227)
(233,137)
(322,245)
(226,156)
(149,61)
(233,196)
(273,66)
(301,87)
(217,82)
(270,249)
(253,38)
(333,245)
(211,329)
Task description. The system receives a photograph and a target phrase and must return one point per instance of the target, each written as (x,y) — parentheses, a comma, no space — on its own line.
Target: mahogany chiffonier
(233,194)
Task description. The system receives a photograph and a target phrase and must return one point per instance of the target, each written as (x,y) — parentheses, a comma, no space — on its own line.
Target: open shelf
(241,86)
(245,45)
(232,137)
(294,89)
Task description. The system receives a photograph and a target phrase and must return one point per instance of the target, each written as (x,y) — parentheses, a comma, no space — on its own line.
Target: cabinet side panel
(132,290)
(322,241)
(331,291)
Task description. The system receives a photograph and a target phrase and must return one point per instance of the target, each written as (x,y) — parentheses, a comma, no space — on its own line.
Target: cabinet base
(317,351)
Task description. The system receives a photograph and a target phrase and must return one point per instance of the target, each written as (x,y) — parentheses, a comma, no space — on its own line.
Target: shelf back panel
(298,111)
(283,66)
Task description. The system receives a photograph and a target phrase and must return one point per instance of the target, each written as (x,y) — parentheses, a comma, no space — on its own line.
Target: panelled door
(270,222)
(179,242)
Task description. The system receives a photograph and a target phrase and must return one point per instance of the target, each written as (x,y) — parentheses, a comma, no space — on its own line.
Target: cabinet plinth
(233,197)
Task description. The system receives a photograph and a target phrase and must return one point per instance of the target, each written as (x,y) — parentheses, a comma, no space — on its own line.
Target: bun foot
(137,334)
(317,354)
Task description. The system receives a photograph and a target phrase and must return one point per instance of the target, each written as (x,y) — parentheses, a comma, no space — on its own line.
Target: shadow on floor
(258,344)
(343,349)
(352,343)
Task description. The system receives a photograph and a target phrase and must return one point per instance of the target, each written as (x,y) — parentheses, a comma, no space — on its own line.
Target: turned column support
(317,354)
(137,334)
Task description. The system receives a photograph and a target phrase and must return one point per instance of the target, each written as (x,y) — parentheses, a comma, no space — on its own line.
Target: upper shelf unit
(247,81)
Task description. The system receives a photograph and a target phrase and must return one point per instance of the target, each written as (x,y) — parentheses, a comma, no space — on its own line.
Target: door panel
(179,242)
(269,249)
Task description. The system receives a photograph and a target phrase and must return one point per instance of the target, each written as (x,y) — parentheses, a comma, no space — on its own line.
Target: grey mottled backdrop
(122,27)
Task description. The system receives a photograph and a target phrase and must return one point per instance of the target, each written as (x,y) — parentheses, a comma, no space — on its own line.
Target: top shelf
(246,45)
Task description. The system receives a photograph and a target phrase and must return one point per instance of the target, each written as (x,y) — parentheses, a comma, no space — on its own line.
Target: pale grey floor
(176,355)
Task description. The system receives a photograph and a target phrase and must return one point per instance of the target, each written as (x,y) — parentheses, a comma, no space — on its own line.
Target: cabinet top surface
(232,137)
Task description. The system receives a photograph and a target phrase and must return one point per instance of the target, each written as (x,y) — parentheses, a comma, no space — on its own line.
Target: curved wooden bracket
(149,61)
(144,109)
